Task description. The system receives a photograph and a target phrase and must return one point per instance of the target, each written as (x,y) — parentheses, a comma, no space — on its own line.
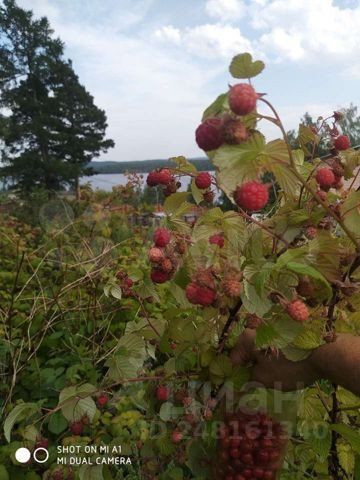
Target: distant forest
(144,166)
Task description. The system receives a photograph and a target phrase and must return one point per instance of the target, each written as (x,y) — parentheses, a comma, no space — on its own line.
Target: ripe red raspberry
(155,254)
(203,180)
(162,237)
(298,310)
(232,288)
(251,196)
(209,196)
(76,428)
(342,142)
(208,134)
(311,232)
(217,239)
(162,393)
(325,177)
(102,400)
(159,276)
(165,176)
(200,295)
(242,99)
(234,131)
(153,179)
(176,436)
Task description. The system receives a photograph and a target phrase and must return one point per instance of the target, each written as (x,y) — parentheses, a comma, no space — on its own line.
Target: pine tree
(54,128)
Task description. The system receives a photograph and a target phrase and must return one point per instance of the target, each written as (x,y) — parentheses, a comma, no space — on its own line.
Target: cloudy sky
(154,65)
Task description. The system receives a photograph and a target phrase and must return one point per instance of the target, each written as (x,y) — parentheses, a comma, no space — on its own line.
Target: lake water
(106,181)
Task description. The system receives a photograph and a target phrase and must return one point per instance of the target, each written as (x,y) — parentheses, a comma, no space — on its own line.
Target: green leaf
(350,211)
(349,434)
(19,413)
(346,457)
(174,202)
(76,402)
(57,423)
(221,366)
(168,411)
(319,439)
(242,66)
(238,163)
(303,269)
(238,378)
(265,334)
(198,453)
(122,368)
(217,107)
(89,472)
(196,192)
(276,160)
(308,340)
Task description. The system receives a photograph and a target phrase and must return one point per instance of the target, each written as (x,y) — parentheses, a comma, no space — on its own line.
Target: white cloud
(225,10)
(209,41)
(308,30)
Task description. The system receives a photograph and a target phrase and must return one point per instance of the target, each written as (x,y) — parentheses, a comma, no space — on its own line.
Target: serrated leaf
(346,457)
(174,202)
(217,107)
(19,413)
(309,271)
(168,411)
(320,439)
(183,164)
(308,340)
(122,368)
(90,472)
(242,66)
(276,160)
(57,423)
(221,366)
(76,402)
(264,335)
(197,457)
(238,163)
(351,435)
(350,212)
(238,378)
(196,192)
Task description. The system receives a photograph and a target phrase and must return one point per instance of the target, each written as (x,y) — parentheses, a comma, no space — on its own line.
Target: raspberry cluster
(250,447)
(163,255)
(330,177)
(165,178)
(251,196)
(126,284)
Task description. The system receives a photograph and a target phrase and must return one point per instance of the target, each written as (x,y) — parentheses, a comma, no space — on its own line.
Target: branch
(228,324)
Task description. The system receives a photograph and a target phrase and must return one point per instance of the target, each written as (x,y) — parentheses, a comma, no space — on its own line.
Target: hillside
(143,166)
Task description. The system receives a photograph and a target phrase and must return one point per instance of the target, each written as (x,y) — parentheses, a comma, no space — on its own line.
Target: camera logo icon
(23,455)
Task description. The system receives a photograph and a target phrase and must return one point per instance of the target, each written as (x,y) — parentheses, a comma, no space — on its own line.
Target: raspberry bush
(284,266)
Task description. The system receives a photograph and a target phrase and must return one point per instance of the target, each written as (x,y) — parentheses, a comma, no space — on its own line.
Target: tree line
(50,127)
